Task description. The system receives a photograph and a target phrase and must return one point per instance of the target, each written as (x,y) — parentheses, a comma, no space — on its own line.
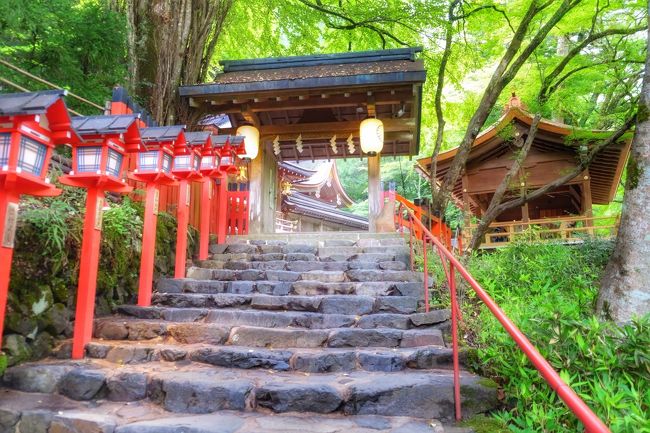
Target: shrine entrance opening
(309,109)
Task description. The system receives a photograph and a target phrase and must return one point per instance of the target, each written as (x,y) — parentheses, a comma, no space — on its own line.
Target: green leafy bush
(46,266)
(549,291)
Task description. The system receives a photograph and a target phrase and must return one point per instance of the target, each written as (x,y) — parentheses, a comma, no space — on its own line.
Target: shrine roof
(94,125)
(29,102)
(162,133)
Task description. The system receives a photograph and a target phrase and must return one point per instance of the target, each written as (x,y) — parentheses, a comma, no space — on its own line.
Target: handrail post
(454,338)
(411,239)
(576,405)
(426,273)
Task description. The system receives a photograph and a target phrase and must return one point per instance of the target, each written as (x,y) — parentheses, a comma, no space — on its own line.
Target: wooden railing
(238,213)
(434,224)
(569,229)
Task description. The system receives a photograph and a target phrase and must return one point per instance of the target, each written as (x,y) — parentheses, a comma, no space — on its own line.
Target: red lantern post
(211,158)
(31,124)
(97,165)
(154,167)
(187,168)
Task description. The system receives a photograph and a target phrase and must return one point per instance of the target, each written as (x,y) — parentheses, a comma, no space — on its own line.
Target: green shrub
(46,266)
(549,291)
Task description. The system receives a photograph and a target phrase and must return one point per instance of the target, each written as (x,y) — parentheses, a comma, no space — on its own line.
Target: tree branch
(492,210)
(582,165)
(544,92)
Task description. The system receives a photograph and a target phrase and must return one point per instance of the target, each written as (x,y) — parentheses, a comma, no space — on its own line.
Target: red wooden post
(92,235)
(182,218)
(454,338)
(222,211)
(204,223)
(148,245)
(8,212)
(426,273)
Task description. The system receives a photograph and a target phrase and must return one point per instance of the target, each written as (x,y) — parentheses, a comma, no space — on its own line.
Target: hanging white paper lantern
(371,134)
(251,140)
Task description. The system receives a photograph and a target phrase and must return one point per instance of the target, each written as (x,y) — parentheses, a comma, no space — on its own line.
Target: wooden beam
(304,102)
(372,111)
(390,125)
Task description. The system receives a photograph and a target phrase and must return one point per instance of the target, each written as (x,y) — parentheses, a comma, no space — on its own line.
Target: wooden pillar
(374,191)
(204,218)
(586,200)
(222,210)
(182,220)
(148,254)
(9,199)
(255,179)
(92,238)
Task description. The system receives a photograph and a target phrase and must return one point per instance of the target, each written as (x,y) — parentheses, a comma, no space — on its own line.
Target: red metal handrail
(434,223)
(592,423)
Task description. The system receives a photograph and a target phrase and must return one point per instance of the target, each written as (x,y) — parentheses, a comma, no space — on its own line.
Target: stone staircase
(278,333)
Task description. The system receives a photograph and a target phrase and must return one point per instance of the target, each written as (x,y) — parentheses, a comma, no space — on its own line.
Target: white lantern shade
(89,159)
(5,139)
(167,163)
(148,161)
(371,132)
(31,155)
(114,163)
(183,162)
(207,162)
(251,140)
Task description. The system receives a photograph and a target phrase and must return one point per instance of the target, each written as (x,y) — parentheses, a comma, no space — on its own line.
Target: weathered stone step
(282,283)
(260,261)
(38,413)
(246,335)
(340,304)
(285,319)
(201,389)
(252,271)
(324,360)
(299,319)
(365,253)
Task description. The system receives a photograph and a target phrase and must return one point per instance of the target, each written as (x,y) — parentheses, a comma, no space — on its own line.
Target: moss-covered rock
(16,349)
(57,320)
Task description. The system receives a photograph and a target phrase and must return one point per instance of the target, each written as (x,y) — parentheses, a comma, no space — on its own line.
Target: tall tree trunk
(625,288)
(170,42)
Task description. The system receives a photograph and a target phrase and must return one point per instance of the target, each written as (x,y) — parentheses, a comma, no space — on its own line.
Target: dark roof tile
(197,138)
(29,102)
(93,125)
(161,133)
(220,140)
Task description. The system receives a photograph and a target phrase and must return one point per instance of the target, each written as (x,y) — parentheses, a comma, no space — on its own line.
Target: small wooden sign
(99,214)
(188,191)
(11,221)
(156,201)
(211,187)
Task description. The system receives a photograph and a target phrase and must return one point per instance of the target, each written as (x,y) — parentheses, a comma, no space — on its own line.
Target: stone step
(22,412)
(325,360)
(288,262)
(215,269)
(285,319)
(341,304)
(318,238)
(282,283)
(306,271)
(255,336)
(199,389)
